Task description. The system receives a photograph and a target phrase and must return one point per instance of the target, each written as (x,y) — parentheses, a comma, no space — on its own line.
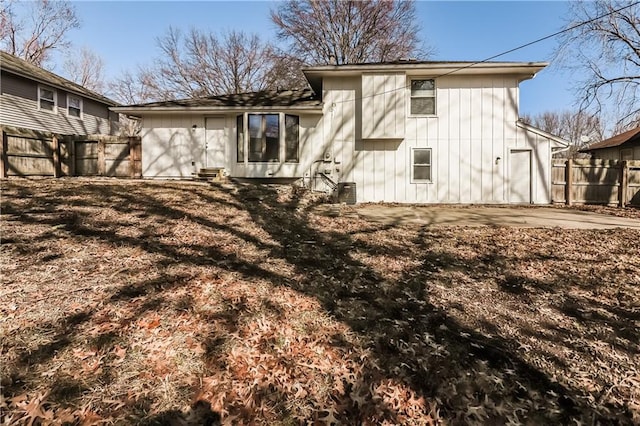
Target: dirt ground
(138,302)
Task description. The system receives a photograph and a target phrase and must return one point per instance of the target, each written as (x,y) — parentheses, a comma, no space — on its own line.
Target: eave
(315,109)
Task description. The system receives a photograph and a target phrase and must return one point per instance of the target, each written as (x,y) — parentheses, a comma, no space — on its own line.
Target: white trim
(81,116)
(560,143)
(531,176)
(55,99)
(435,97)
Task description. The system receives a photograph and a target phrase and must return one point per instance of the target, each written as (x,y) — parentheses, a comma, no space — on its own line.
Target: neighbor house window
(291,137)
(74,106)
(47,99)
(423,97)
(271,137)
(240,138)
(421,165)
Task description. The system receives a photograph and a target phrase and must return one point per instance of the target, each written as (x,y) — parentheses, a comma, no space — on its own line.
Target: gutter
(221,109)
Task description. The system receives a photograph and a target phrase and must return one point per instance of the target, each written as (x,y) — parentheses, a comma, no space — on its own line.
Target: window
(240,138)
(422,165)
(271,137)
(264,137)
(423,97)
(47,99)
(74,106)
(291,136)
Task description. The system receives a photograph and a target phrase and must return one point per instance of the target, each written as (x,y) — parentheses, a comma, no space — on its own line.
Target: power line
(557,33)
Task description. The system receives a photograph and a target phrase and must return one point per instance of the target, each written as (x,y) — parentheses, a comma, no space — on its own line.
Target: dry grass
(127,302)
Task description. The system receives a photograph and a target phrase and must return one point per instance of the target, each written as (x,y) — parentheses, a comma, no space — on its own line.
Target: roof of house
(433,69)
(15,65)
(628,136)
(289,99)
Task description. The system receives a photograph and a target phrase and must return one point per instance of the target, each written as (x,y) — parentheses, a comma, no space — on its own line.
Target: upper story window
(74,106)
(271,137)
(47,98)
(423,97)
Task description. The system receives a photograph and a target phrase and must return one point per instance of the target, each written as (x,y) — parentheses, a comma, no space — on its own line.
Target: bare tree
(605,45)
(579,128)
(347,32)
(44,28)
(202,64)
(134,87)
(85,68)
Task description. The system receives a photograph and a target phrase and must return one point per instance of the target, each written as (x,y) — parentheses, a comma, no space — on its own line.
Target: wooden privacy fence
(32,153)
(610,182)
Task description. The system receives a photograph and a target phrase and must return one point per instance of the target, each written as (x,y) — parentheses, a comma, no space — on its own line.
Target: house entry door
(214,142)
(520,177)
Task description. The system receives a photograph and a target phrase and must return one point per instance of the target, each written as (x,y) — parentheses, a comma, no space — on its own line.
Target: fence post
(624,183)
(71,155)
(3,154)
(568,179)
(102,164)
(56,156)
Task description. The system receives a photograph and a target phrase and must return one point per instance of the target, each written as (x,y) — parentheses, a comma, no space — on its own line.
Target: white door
(520,176)
(214,142)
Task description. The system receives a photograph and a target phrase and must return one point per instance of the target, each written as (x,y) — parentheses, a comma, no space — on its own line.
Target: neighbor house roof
(434,69)
(263,101)
(15,65)
(621,139)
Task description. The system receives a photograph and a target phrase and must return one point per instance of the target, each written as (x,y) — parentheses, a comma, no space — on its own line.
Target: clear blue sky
(123,34)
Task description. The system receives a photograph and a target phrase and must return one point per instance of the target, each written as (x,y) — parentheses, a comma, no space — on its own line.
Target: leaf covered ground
(130,301)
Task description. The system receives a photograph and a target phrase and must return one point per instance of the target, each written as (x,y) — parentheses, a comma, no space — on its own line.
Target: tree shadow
(471,375)
(413,340)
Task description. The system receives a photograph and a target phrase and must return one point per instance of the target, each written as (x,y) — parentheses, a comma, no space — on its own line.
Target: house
(36,99)
(404,131)
(625,146)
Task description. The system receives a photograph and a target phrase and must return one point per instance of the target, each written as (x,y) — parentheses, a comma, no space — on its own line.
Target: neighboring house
(625,146)
(406,131)
(36,99)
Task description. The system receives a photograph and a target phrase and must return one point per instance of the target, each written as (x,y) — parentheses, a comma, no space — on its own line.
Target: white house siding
(474,124)
(383,105)
(170,144)
(173,148)
(471,136)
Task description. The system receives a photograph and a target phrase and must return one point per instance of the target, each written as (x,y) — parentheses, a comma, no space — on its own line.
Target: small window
(422,165)
(240,138)
(47,99)
(292,141)
(74,106)
(423,97)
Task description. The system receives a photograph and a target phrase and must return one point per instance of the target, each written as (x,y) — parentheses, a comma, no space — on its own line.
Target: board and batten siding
(19,108)
(173,146)
(383,105)
(471,137)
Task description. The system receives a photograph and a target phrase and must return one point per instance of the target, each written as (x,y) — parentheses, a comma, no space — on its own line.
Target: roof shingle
(622,138)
